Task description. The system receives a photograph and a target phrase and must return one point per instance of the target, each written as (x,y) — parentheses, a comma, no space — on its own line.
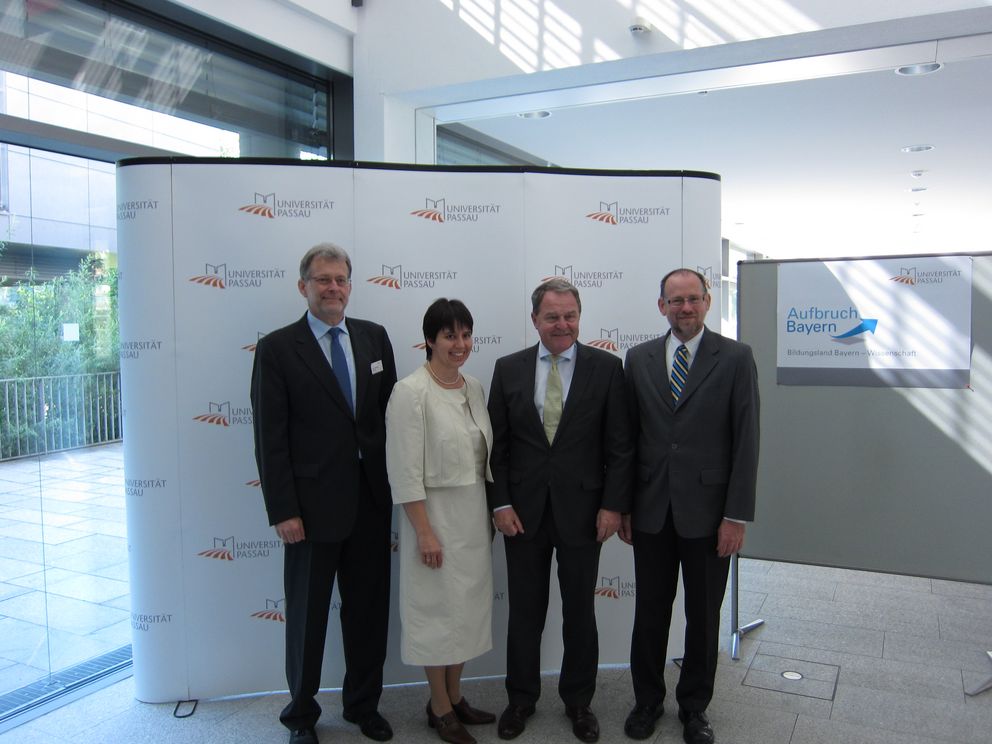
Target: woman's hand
(430,549)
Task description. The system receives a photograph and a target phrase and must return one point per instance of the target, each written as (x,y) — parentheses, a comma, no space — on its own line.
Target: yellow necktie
(552,401)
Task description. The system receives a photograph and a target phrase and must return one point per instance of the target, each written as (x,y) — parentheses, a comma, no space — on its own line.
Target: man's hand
(729,538)
(625,532)
(291,530)
(607,522)
(507,522)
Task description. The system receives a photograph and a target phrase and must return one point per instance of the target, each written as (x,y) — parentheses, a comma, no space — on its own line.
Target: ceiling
(810,158)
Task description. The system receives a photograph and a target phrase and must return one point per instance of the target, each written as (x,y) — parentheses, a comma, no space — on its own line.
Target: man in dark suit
(561,464)
(693,400)
(319,390)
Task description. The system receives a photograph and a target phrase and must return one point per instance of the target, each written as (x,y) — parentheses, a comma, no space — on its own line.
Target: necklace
(430,370)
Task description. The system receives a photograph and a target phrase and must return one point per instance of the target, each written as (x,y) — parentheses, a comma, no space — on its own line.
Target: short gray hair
(555,284)
(329,251)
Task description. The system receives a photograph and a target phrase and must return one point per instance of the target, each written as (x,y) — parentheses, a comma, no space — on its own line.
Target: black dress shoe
(640,722)
(584,723)
(303,736)
(696,728)
(471,716)
(513,720)
(372,725)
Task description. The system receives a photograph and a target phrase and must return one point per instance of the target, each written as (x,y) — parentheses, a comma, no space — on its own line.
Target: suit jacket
(700,456)
(585,469)
(307,441)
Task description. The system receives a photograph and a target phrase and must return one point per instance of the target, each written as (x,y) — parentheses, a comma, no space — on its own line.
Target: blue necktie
(340,365)
(680,371)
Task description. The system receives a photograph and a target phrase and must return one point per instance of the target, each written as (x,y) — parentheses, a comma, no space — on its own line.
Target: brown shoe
(449,728)
(471,716)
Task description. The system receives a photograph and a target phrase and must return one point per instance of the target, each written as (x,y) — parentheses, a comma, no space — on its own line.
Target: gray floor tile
(962,589)
(884,597)
(768,584)
(849,576)
(950,654)
(923,680)
(971,627)
(821,635)
(88,588)
(923,623)
(820,731)
(912,715)
(61,613)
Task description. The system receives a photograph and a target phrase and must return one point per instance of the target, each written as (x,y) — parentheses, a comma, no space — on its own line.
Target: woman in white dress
(438,439)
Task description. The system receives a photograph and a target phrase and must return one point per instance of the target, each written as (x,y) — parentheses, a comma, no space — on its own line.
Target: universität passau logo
(617,340)
(396,277)
(615,587)
(132,208)
(442,210)
(614,213)
(911,277)
(583,277)
(224,414)
(711,277)
(274,611)
(221,276)
(231,549)
(271,207)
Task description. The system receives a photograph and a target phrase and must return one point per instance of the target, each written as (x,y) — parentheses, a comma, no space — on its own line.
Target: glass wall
(75,76)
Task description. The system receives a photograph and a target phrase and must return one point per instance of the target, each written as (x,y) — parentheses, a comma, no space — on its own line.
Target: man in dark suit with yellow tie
(319,390)
(561,464)
(693,399)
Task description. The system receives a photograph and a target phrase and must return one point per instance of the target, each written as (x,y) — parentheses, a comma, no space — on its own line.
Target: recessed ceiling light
(918,173)
(917,189)
(919,214)
(924,68)
(917,148)
(534,114)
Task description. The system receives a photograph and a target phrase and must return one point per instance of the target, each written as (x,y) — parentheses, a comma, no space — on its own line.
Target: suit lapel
(527,372)
(581,375)
(658,369)
(706,359)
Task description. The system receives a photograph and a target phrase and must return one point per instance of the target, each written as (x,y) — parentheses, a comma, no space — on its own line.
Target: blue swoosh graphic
(867,324)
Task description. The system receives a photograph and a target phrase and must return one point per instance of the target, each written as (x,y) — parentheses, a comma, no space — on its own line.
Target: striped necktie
(680,371)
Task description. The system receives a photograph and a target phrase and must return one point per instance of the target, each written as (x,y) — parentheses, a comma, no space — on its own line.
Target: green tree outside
(48,398)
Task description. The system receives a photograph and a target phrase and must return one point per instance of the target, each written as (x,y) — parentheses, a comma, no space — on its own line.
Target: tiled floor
(884,658)
(62,532)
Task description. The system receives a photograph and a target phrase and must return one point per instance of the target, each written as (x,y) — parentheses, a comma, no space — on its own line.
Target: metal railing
(39,415)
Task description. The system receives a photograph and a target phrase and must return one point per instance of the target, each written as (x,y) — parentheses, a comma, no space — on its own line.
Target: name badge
(377,367)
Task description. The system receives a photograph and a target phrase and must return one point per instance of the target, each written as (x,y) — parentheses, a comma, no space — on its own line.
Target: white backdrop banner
(209,257)
(900,322)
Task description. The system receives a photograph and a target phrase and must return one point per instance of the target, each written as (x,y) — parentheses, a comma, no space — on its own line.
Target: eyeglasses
(326,281)
(694,300)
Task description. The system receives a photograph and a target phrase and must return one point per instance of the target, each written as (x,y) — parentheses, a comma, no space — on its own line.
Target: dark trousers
(704,579)
(528,568)
(361,565)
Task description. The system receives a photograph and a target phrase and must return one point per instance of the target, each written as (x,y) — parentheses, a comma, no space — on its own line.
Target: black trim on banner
(365,165)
